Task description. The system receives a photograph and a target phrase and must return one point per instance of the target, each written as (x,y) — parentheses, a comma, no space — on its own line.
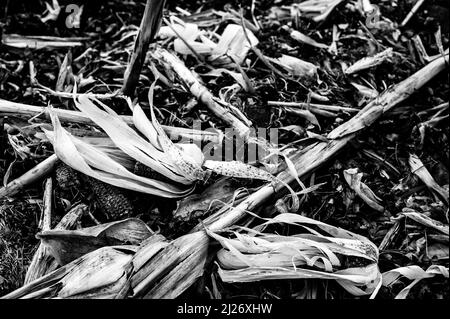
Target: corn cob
(66,177)
(145,171)
(111,200)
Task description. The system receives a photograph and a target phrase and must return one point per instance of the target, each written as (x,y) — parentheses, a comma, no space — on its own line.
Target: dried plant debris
(275,149)
(68,245)
(353,178)
(255,256)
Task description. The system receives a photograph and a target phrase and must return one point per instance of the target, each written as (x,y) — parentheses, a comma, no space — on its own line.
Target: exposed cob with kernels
(145,171)
(111,200)
(66,177)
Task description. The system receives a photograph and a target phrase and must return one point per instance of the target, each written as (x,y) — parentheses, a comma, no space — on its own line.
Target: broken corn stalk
(176,133)
(217,107)
(149,27)
(36,173)
(389,98)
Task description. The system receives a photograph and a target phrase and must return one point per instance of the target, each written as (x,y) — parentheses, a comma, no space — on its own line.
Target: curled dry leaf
(253,255)
(353,178)
(306,114)
(369,62)
(303,38)
(296,66)
(98,274)
(236,76)
(421,171)
(68,245)
(414,273)
(425,220)
(318,10)
(365,91)
(232,42)
(53,11)
(189,31)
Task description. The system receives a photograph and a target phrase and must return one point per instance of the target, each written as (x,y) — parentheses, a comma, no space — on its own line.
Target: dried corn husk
(369,62)
(20,146)
(188,31)
(353,178)
(421,171)
(306,114)
(414,273)
(68,245)
(296,66)
(43,262)
(254,256)
(185,256)
(318,10)
(303,38)
(65,73)
(425,220)
(98,274)
(232,42)
(53,11)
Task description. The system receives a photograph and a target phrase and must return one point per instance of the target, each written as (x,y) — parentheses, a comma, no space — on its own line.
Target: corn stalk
(33,175)
(150,24)
(390,98)
(219,108)
(68,116)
